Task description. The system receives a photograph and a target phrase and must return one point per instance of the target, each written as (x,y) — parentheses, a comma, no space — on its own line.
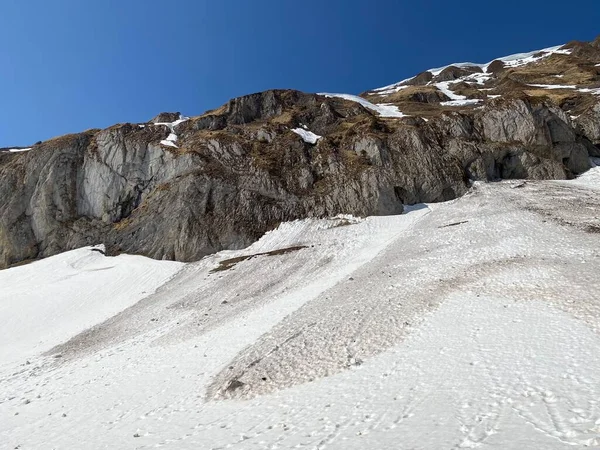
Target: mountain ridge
(182,188)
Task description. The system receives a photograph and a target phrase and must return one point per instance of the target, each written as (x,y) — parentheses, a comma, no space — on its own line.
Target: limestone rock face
(509,122)
(589,124)
(180,188)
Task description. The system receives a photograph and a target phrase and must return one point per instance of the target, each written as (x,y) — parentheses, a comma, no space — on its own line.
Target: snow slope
(467,324)
(589,179)
(48,301)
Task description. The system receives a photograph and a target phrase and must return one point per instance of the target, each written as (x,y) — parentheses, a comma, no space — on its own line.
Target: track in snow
(469,324)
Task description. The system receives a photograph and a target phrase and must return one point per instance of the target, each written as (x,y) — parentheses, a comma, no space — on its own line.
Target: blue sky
(70,65)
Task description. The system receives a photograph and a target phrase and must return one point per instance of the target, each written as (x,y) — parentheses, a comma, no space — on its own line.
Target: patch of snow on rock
(384,110)
(172,138)
(461,102)
(591,178)
(554,86)
(479,78)
(455,99)
(392,89)
(595,91)
(19,150)
(445,88)
(307,136)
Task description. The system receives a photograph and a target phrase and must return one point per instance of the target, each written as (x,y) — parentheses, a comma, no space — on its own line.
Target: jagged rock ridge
(181,188)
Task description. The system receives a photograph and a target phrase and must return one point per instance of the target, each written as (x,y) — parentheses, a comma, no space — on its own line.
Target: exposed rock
(508,122)
(583,49)
(238,171)
(545,130)
(209,122)
(264,105)
(496,67)
(589,123)
(456,125)
(166,117)
(373,148)
(430,96)
(452,73)
(422,79)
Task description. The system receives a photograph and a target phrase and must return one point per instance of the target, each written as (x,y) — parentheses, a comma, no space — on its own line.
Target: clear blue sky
(69,65)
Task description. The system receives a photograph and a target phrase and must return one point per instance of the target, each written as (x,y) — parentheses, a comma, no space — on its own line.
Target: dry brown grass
(61,141)
(556,96)
(431,110)
(468,91)
(402,95)
(284,118)
(122,224)
(215,112)
(571,69)
(163,186)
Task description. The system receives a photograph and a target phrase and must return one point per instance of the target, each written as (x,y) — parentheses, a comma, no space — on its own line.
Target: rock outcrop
(180,189)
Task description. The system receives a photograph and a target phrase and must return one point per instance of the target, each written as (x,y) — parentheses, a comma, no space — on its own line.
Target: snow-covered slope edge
(44,303)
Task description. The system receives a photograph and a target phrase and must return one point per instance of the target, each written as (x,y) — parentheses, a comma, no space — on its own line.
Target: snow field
(466,324)
(46,302)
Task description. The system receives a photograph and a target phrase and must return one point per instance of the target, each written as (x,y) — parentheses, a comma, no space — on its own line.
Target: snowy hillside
(466,324)
(49,301)
(566,75)
(516,60)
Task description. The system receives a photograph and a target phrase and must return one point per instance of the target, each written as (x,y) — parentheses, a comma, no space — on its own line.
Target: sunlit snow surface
(466,324)
(18,150)
(455,99)
(554,86)
(307,136)
(45,303)
(171,140)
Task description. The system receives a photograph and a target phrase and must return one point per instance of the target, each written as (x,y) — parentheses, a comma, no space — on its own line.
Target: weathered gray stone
(589,123)
(239,171)
(166,117)
(373,149)
(509,122)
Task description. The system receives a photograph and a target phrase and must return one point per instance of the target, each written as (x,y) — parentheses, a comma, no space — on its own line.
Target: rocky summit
(181,188)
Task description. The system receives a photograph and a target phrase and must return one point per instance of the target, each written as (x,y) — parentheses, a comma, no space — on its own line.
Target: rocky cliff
(181,188)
